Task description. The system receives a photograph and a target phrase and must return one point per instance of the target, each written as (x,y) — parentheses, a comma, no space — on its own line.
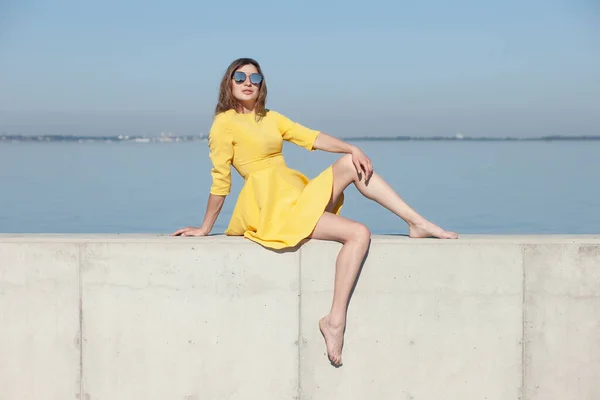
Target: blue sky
(349,68)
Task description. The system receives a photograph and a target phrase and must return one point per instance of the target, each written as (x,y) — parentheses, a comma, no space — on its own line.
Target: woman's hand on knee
(362,163)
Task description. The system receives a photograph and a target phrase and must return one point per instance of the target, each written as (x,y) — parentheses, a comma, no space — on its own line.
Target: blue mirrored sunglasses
(240,77)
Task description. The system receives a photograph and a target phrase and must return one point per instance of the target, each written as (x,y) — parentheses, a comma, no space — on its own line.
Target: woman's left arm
(332,144)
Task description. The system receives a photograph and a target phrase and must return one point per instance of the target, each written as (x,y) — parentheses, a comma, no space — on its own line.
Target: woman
(279,207)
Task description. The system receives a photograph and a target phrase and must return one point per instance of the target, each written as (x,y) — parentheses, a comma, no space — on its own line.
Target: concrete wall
(154,317)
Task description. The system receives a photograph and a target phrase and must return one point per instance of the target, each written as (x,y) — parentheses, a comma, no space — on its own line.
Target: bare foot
(427,229)
(334,339)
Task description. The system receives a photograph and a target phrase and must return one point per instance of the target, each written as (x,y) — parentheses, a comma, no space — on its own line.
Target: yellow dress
(277,206)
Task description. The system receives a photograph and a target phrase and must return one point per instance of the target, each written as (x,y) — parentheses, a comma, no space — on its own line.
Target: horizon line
(191,138)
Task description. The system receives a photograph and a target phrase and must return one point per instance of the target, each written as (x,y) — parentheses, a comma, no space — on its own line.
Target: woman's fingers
(181,231)
(357,166)
(189,231)
(366,166)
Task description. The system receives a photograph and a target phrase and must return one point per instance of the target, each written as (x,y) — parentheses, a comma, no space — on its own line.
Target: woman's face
(245,83)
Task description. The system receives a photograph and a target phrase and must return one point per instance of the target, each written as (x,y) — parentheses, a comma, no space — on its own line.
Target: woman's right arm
(220,144)
(213,208)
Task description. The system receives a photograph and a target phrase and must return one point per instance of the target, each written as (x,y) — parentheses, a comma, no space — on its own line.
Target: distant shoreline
(202,138)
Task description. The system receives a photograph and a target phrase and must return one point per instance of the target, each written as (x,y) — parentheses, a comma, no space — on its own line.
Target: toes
(335,359)
(338,360)
(332,359)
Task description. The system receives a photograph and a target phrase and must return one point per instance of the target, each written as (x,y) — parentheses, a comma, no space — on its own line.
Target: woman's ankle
(336,319)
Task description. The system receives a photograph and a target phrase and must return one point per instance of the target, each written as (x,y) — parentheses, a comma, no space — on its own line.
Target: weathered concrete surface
(562,321)
(189,321)
(484,317)
(39,321)
(425,322)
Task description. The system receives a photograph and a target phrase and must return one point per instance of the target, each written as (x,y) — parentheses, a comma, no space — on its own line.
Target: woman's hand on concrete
(190,231)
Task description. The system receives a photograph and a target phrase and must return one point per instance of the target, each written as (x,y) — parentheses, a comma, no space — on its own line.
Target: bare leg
(344,173)
(355,238)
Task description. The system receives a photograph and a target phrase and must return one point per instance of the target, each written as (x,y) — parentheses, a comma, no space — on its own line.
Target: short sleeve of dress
(296,133)
(220,144)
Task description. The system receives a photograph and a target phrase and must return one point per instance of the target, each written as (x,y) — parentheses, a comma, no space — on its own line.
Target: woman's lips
(247,91)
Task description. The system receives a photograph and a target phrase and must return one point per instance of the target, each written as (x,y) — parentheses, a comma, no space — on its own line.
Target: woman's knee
(346,166)
(346,161)
(361,233)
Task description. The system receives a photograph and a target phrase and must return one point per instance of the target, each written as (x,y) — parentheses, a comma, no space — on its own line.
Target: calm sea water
(470,187)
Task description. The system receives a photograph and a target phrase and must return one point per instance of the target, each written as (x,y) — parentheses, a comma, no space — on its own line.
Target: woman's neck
(246,108)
